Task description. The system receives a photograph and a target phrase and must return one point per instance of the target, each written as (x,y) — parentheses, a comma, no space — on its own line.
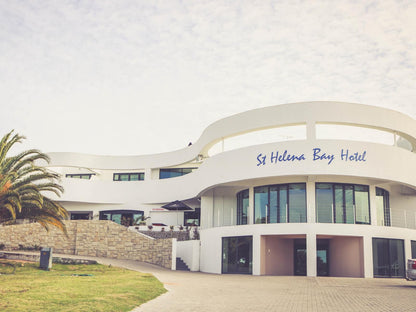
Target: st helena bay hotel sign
(316,155)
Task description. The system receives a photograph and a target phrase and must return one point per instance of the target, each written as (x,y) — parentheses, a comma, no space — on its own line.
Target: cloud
(132,77)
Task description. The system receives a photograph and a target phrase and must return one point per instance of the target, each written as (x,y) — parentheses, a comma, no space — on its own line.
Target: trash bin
(45,258)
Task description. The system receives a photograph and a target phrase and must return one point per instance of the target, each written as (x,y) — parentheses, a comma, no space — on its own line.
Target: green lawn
(108,289)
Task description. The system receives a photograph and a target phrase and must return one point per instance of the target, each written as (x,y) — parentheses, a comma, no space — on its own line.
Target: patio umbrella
(177,205)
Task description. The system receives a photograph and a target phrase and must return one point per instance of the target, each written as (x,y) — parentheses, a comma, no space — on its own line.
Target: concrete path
(202,292)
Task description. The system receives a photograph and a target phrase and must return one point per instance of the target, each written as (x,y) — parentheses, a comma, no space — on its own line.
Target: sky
(142,77)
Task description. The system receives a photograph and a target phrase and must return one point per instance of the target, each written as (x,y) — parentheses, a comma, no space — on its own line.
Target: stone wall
(180,236)
(91,238)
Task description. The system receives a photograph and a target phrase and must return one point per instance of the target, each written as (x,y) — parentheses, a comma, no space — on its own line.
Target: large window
(174,172)
(242,207)
(123,217)
(342,203)
(383,207)
(131,176)
(280,203)
(237,254)
(388,257)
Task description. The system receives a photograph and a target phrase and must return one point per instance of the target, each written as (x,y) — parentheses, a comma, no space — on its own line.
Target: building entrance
(322,257)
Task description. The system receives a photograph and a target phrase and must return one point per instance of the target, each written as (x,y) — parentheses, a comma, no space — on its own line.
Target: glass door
(388,257)
(300,257)
(322,257)
(237,254)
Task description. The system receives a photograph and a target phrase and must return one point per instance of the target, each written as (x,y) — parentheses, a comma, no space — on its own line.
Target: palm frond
(23,184)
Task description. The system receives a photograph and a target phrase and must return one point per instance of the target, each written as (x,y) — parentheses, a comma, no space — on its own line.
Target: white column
(311,254)
(250,212)
(310,131)
(207,210)
(256,254)
(368,256)
(147,174)
(174,249)
(154,174)
(373,205)
(407,250)
(310,197)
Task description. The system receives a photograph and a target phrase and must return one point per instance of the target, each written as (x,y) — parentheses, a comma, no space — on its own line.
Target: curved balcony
(263,162)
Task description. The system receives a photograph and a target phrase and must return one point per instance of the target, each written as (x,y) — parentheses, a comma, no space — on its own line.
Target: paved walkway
(202,292)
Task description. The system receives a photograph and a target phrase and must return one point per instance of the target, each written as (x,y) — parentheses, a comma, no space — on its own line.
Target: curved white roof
(305,113)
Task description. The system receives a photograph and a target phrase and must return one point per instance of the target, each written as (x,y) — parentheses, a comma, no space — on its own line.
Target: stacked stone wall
(33,235)
(180,236)
(91,238)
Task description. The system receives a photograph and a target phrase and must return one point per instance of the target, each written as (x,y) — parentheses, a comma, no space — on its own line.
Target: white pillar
(256,254)
(310,131)
(147,174)
(250,212)
(310,196)
(373,205)
(368,256)
(174,249)
(407,250)
(311,254)
(207,210)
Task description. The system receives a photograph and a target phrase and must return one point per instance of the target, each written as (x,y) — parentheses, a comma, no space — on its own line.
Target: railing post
(405,220)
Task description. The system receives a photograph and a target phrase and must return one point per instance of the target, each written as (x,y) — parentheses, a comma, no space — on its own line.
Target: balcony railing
(403,218)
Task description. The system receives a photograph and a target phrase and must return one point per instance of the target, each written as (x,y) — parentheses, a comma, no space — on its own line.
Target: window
(383,207)
(413,248)
(133,176)
(280,203)
(237,254)
(123,217)
(242,207)
(342,203)
(388,257)
(81,215)
(174,172)
(85,176)
(192,217)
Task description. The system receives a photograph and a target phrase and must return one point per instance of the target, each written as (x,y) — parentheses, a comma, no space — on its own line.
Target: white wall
(277,255)
(346,257)
(168,217)
(382,162)
(188,251)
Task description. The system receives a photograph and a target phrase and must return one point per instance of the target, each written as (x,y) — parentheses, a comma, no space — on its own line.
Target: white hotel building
(316,188)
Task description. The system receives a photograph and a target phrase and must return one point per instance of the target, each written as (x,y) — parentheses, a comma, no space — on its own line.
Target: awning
(177,205)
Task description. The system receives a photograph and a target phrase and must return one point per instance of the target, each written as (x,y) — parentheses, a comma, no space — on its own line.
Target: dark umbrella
(176,206)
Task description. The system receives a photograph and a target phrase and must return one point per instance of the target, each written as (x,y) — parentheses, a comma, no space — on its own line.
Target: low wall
(180,236)
(10,255)
(91,238)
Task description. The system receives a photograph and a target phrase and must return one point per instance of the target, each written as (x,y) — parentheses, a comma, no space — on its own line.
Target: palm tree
(23,185)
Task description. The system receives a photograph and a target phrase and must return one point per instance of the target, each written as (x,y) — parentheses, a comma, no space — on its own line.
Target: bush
(30,248)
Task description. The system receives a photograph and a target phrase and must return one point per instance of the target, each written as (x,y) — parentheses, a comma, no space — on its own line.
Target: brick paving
(190,291)
(194,291)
